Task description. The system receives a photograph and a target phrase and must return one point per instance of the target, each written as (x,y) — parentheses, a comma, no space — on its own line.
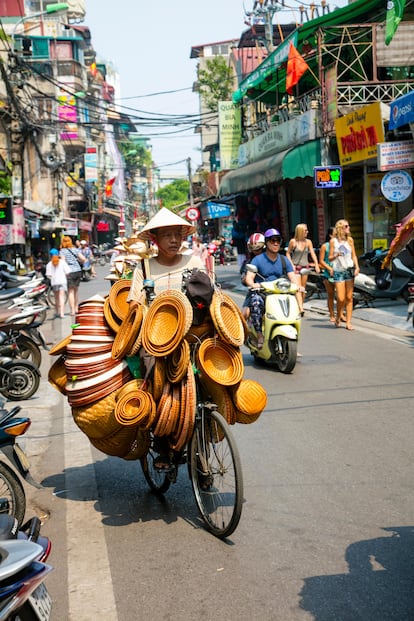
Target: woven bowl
(226,318)
(167,322)
(111,319)
(135,407)
(60,347)
(176,364)
(188,401)
(220,361)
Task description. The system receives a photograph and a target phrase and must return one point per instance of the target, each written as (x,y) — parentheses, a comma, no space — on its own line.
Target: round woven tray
(220,361)
(57,375)
(226,318)
(118,295)
(127,333)
(167,322)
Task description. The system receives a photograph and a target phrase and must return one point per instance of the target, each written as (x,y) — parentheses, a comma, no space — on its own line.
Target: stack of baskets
(116,410)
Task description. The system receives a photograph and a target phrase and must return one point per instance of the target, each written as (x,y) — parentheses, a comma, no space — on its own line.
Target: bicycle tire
(50,296)
(12,490)
(158,480)
(218,488)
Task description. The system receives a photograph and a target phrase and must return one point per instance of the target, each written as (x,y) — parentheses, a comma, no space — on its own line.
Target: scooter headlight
(282,285)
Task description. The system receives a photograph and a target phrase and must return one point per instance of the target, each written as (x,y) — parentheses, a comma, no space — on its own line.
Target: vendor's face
(169,240)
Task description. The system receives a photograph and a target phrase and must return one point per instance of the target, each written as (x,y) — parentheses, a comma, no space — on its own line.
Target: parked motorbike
(23,569)
(281,324)
(15,343)
(385,284)
(410,311)
(314,286)
(25,314)
(12,495)
(19,379)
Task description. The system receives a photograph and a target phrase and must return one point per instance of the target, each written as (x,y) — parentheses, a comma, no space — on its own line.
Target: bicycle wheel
(216,474)
(158,480)
(12,496)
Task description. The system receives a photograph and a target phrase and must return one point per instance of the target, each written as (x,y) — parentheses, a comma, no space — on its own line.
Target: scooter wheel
(21,380)
(287,354)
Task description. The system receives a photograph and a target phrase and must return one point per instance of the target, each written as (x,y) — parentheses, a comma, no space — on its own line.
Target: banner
(230,134)
(395,12)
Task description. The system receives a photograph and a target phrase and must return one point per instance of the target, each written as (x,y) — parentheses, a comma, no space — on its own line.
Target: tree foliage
(175,193)
(215,82)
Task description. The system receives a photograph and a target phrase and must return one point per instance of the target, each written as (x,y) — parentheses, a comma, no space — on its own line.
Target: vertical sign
(91,164)
(230,134)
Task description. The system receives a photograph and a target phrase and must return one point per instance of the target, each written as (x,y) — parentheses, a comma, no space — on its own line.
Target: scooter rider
(270,265)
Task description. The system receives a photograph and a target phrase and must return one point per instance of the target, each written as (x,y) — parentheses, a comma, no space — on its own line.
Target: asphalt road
(326,531)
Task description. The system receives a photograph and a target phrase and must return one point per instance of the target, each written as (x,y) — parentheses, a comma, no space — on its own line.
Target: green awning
(267,68)
(290,164)
(300,161)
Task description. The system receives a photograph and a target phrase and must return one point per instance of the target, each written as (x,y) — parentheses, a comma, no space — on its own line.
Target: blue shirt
(270,270)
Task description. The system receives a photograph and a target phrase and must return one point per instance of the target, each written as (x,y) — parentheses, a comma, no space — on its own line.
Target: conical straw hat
(165,217)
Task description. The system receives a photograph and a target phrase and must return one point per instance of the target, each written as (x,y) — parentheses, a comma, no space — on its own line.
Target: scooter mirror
(251,268)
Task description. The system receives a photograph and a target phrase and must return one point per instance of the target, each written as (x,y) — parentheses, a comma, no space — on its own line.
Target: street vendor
(167,231)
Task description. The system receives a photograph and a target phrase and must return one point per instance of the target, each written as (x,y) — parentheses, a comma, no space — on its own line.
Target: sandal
(162,462)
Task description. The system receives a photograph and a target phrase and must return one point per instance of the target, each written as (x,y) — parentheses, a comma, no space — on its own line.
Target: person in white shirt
(57,270)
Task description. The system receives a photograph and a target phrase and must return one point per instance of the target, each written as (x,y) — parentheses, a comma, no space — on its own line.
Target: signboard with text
(358,134)
(327,176)
(395,155)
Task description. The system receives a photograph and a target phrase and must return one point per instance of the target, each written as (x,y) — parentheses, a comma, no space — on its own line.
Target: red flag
(296,67)
(108,187)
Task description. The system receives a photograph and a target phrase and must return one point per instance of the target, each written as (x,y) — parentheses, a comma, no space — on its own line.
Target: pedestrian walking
(298,252)
(327,273)
(57,270)
(345,268)
(75,259)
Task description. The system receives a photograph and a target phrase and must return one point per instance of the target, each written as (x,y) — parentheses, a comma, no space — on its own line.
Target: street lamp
(51,8)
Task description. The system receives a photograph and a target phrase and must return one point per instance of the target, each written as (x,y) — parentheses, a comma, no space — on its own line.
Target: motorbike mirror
(251,268)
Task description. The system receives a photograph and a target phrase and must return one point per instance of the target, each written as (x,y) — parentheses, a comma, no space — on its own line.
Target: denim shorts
(343,275)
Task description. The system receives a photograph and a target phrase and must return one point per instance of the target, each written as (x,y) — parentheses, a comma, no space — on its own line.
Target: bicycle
(214,468)
(212,459)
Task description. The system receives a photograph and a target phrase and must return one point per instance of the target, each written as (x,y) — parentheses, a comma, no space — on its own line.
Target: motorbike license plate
(21,456)
(41,603)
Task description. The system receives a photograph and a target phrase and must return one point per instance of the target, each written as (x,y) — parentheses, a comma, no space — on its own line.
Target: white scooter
(281,324)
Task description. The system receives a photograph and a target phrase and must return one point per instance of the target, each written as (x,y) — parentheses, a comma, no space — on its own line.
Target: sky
(149,44)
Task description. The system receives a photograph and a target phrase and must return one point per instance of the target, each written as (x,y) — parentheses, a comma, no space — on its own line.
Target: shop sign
(70,226)
(395,155)
(229,134)
(358,134)
(102,226)
(402,111)
(397,186)
(217,210)
(91,164)
(6,213)
(327,176)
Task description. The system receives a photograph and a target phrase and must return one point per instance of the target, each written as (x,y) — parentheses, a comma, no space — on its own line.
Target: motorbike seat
(399,265)
(6,313)
(9,294)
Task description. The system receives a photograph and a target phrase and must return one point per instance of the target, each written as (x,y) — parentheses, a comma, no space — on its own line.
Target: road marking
(90,583)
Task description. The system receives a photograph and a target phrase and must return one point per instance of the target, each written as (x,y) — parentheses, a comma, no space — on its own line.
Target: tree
(175,193)
(215,82)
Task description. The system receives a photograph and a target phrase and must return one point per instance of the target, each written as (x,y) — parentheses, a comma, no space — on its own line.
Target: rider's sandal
(162,462)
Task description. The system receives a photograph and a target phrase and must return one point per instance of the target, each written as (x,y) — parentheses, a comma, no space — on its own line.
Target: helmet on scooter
(256,242)
(272,233)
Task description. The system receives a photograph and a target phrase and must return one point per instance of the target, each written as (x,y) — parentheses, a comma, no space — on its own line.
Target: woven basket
(111,319)
(97,420)
(118,444)
(118,295)
(176,364)
(127,333)
(249,397)
(188,401)
(57,375)
(167,322)
(138,341)
(221,397)
(159,378)
(220,361)
(135,407)
(226,318)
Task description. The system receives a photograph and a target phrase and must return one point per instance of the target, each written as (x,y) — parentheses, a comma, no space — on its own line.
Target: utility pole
(190,179)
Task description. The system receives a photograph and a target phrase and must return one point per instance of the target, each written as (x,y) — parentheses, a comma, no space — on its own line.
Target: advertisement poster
(230,134)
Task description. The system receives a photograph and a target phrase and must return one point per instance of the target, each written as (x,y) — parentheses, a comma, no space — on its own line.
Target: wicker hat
(220,361)
(227,320)
(60,347)
(167,322)
(249,398)
(165,217)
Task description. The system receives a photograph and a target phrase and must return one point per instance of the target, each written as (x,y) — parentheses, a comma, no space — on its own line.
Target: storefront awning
(290,164)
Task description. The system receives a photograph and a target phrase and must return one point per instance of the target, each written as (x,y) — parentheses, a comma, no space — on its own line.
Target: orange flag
(108,187)
(296,67)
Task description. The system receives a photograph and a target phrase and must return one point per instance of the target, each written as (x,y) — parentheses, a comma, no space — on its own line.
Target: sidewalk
(388,313)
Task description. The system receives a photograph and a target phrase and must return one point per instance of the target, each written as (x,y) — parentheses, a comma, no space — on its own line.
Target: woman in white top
(345,267)
(57,270)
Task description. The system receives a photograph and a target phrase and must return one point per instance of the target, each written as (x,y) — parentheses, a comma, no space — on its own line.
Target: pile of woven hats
(111,339)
